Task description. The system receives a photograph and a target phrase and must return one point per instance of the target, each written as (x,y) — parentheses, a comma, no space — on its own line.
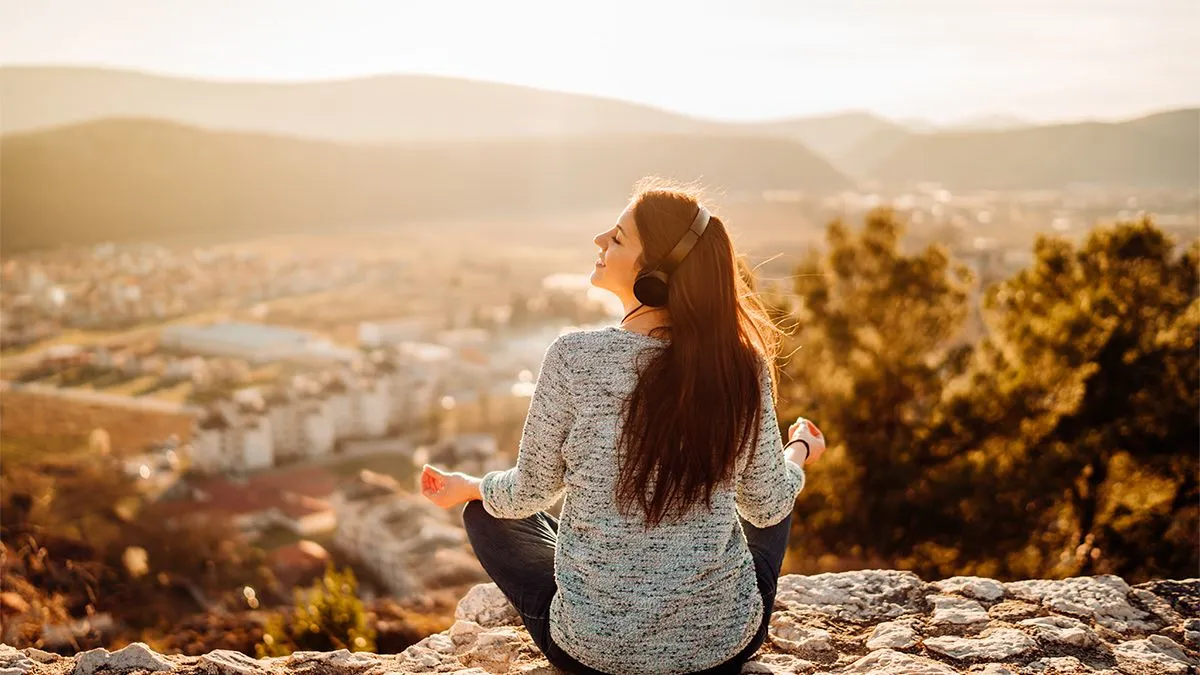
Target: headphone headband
(650,288)
(686,242)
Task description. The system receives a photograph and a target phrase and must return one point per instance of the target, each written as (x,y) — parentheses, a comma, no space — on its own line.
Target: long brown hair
(698,400)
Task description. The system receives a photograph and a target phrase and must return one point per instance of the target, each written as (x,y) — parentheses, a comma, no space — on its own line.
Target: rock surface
(882,622)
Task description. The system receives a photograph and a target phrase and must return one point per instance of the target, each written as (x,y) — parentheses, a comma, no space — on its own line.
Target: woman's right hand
(444,488)
(804,430)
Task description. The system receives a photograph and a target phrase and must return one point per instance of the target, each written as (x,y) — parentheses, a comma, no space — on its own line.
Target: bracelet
(800,440)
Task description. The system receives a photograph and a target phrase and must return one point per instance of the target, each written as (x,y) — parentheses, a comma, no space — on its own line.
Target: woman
(642,575)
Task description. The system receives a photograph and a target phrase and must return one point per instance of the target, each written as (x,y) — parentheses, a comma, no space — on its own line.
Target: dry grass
(178,393)
(33,416)
(265,374)
(131,387)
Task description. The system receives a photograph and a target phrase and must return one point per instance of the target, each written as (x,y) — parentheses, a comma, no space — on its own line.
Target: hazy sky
(939,60)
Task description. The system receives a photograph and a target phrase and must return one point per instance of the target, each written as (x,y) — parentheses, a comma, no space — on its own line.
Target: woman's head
(698,400)
(649,227)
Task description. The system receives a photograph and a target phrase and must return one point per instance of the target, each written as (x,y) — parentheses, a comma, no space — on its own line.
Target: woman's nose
(598,240)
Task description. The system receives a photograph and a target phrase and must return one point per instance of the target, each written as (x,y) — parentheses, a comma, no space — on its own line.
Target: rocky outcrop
(871,621)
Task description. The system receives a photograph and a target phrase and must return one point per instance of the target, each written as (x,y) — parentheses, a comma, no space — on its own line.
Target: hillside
(385,108)
(376,109)
(883,622)
(997,122)
(861,159)
(1155,151)
(835,137)
(126,179)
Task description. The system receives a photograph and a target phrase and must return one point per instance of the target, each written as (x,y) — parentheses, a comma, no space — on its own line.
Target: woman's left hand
(808,432)
(447,489)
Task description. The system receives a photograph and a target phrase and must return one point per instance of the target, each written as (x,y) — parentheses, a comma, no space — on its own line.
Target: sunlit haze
(315,335)
(933,60)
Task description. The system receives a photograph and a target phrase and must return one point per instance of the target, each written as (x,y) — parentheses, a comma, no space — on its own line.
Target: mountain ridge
(353,153)
(1158,150)
(374,109)
(138,179)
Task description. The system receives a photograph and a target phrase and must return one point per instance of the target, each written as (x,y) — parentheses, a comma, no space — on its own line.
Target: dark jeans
(518,554)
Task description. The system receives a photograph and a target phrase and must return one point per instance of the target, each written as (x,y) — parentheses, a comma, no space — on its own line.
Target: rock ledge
(883,622)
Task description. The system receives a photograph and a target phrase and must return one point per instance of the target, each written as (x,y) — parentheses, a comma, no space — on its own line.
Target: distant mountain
(861,159)
(987,123)
(386,108)
(836,137)
(140,179)
(1158,150)
(995,122)
(393,108)
(428,117)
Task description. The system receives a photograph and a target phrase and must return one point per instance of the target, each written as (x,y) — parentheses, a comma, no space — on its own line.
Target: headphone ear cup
(651,289)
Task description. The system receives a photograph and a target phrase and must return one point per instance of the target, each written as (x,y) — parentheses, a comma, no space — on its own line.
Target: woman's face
(616,265)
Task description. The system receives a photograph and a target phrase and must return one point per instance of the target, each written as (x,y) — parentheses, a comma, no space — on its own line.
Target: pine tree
(1080,411)
(878,338)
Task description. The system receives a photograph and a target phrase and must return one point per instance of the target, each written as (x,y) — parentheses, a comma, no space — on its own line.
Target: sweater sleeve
(768,484)
(536,482)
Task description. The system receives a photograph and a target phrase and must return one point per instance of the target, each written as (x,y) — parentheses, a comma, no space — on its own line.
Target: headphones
(650,287)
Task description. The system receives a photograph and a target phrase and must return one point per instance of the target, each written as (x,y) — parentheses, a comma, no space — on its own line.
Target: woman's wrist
(807,449)
(473,491)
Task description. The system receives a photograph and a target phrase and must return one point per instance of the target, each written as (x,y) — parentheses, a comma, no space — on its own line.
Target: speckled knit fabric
(679,599)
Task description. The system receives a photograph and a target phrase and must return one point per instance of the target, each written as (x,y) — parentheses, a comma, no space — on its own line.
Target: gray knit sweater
(679,599)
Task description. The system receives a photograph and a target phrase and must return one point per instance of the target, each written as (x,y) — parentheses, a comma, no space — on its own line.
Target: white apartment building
(414,372)
(370,408)
(301,424)
(229,439)
(393,533)
(358,408)
(287,427)
(319,438)
(413,396)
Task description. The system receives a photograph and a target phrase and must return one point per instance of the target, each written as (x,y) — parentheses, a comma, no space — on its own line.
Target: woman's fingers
(434,485)
(432,481)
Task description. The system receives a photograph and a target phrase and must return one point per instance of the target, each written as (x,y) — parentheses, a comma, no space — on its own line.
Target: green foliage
(1063,443)
(877,343)
(327,616)
(1085,400)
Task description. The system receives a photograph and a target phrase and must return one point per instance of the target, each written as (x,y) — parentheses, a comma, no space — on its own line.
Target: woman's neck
(645,319)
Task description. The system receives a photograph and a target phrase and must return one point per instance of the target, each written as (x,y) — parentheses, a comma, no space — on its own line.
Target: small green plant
(328,616)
